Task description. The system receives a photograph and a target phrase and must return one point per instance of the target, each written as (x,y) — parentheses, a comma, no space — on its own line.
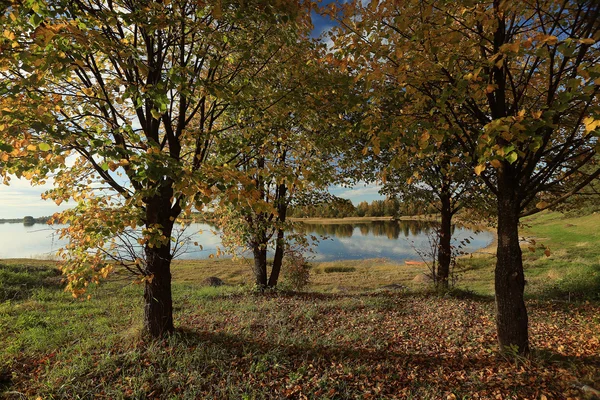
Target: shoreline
(313,220)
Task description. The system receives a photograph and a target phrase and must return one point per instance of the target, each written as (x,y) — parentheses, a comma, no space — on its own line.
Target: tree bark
(445,249)
(277,259)
(158,308)
(280,244)
(511,314)
(260,264)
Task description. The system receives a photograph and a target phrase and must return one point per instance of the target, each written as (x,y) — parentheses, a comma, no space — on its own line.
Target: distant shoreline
(26,219)
(312,220)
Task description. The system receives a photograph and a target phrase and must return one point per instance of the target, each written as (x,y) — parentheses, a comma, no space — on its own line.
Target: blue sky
(21,199)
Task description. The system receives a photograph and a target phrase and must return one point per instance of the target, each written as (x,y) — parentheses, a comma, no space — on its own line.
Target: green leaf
(155,114)
(35,20)
(44,146)
(512,157)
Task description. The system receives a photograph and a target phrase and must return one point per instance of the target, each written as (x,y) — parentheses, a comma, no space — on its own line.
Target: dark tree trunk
(158,309)
(277,259)
(511,317)
(260,264)
(280,244)
(445,249)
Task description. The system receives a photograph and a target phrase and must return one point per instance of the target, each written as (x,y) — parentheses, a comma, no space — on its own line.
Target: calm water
(393,240)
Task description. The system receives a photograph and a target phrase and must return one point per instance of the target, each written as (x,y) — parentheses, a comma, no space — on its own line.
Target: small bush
(296,270)
(329,270)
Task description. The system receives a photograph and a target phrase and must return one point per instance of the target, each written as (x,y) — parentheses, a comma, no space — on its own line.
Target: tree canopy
(515,84)
(127,101)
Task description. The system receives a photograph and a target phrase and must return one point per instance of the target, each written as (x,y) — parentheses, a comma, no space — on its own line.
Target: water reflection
(395,240)
(390,229)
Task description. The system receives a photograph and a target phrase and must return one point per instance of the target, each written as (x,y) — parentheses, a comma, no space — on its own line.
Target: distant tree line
(342,208)
(28,220)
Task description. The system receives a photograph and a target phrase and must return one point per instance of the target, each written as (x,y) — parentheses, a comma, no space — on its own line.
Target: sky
(21,199)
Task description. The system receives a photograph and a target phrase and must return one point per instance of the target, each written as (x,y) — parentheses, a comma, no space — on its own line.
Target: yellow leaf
(541,205)
(479,169)
(510,47)
(550,39)
(9,35)
(591,124)
(496,163)
(587,41)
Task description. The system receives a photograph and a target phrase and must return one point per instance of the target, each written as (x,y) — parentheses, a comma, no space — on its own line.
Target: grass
(571,271)
(331,270)
(342,339)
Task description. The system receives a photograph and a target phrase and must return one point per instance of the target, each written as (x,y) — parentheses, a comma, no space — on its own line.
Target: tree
(287,150)
(136,92)
(362,209)
(442,180)
(517,86)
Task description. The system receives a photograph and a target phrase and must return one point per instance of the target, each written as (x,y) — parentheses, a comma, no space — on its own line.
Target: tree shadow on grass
(340,364)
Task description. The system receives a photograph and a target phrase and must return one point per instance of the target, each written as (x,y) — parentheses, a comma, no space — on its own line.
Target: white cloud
(360,192)
(21,199)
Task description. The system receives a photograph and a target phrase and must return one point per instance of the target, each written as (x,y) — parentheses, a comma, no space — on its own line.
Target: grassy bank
(348,337)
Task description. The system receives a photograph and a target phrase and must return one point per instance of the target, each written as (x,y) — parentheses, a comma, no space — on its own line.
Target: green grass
(18,282)
(570,273)
(342,339)
(330,270)
(573,268)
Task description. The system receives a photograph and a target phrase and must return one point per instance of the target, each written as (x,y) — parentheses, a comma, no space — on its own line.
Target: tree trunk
(445,249)
(280,244)
(260,264)
(277,259)
(511,314)
(158,309)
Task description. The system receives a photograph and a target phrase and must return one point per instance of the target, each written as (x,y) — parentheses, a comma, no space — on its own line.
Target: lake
(395,240)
